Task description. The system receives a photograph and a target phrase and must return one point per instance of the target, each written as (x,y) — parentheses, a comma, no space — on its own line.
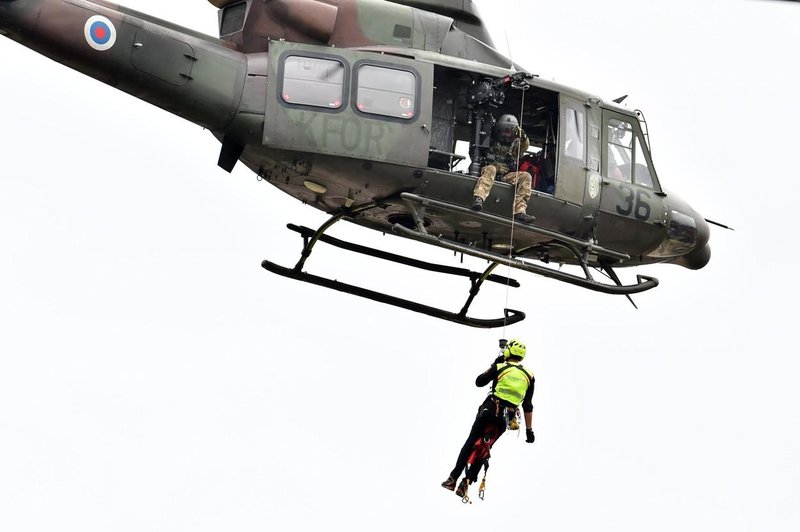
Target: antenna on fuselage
(712,222)
(508,47)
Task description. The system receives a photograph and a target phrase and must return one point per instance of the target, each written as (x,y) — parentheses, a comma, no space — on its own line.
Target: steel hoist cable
(514,201)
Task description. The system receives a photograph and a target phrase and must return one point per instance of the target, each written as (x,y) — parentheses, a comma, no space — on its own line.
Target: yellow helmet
(515,348)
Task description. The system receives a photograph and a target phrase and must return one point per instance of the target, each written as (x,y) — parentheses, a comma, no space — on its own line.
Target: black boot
(524,218)
(477,203)
(463,486)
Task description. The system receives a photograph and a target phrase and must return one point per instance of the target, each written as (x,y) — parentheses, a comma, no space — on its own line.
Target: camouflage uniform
(505,154)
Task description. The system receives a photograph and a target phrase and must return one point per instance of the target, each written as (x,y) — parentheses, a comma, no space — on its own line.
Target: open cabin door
(579,180)
(576,198)
(361,105)
(571,179)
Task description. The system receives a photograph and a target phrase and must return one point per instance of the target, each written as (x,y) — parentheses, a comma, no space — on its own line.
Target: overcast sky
(154,377)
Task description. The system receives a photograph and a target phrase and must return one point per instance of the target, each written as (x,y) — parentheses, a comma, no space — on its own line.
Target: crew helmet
(507,127)
(515,348)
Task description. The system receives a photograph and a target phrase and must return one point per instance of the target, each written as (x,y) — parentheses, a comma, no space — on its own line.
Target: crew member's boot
(524,218)
(462,487)
(449,484)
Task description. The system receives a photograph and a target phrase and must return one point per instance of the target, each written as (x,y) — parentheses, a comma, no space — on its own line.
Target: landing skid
(311,237)
(580,249)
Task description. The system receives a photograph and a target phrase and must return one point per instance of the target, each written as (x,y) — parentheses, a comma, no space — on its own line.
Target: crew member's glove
(500,359)
(529,437)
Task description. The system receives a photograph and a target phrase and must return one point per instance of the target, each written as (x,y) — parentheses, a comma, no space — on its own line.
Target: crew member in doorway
(512,385)
(509,142)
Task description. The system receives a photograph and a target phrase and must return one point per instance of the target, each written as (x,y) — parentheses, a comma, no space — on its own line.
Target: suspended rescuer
(512,385)
(509,142)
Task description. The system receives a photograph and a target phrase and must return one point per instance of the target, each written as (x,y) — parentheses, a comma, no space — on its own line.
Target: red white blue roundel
(100,33)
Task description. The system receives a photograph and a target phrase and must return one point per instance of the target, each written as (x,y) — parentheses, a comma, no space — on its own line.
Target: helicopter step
(311,237)
(580,249)
(416,202)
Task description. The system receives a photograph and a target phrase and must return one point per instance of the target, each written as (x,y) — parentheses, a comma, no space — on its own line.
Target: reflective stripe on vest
(512,383)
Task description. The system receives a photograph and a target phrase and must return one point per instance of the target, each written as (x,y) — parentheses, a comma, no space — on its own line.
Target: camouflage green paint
(206,92)
(383,22)
(347,132)
(222,85)
(451,27)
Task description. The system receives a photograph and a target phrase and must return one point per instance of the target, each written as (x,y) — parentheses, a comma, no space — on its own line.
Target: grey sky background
(154,377)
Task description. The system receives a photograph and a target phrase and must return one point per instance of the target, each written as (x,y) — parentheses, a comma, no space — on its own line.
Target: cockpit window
(620,149)
(233,19)
(625,158)
(313,81)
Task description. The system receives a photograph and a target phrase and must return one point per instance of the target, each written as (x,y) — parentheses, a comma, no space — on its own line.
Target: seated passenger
(547,169)
(530,163)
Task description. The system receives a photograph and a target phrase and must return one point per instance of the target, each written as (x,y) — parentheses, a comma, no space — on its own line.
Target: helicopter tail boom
(192,75)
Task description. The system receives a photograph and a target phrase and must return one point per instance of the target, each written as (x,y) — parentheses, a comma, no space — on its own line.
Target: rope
(513,206)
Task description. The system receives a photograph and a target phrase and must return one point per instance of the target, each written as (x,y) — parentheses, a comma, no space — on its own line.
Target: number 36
(634,202)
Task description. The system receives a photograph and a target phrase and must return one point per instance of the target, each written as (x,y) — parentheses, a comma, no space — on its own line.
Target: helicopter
(381,114)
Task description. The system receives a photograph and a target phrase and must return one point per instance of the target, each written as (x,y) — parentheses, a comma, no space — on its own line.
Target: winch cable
(514,204)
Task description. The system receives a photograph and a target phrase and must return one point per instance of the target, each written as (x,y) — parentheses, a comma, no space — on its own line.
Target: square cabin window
(386,92)
(313,81)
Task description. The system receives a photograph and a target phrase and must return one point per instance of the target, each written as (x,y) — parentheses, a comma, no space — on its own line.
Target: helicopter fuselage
(347,103)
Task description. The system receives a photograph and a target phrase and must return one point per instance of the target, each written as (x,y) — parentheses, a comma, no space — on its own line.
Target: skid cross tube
(309,244)
(311,237)
(306,232)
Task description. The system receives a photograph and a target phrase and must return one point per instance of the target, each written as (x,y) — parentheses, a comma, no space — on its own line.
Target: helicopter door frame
(362,105)
(631,209)
(571,173)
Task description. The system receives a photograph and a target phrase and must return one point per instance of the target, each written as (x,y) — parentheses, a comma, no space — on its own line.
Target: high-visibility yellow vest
(512,382)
